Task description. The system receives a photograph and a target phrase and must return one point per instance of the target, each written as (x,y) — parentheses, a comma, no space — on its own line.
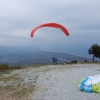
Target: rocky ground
(50,82)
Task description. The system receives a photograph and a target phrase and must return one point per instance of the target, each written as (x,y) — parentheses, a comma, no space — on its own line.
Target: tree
(95,50)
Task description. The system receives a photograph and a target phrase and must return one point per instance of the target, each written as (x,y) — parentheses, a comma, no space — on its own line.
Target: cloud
(19,17)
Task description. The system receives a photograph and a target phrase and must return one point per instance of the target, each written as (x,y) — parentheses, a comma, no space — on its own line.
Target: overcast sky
(80,17)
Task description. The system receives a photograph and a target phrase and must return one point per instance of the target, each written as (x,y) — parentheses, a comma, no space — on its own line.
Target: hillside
(29,56)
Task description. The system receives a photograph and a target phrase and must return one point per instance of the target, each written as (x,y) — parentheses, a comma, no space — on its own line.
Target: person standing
(54,60)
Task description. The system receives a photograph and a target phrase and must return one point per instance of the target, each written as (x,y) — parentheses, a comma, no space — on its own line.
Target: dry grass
(16,93)
(13,87)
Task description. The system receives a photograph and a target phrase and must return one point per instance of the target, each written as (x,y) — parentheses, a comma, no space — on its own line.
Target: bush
(72,62)
(85,61)
(3,66)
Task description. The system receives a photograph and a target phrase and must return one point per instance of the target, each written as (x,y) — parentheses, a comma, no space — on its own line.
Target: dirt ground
(50,82)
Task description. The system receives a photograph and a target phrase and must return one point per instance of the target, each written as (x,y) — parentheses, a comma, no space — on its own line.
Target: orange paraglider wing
(55,25)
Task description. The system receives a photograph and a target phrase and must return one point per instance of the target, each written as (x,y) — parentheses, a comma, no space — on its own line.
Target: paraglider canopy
(54,25)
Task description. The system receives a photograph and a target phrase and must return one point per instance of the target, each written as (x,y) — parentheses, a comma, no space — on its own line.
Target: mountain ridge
(32,55)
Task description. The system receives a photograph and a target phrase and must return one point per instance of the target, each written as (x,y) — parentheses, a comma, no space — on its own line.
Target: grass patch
(9,78)
(22,91)
(6,72)
(18,92)
(7,88)
(13,86)
(16,89)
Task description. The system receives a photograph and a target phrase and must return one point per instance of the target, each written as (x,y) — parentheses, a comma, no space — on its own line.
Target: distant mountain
(30,55)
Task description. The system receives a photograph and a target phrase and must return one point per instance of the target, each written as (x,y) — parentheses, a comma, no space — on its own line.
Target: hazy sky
(80,17)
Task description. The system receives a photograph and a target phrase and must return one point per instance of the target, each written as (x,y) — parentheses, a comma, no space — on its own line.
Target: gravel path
(60,82)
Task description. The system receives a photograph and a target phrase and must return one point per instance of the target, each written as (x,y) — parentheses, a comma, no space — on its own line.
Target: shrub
(72,62)
(85,61)
(3,66)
